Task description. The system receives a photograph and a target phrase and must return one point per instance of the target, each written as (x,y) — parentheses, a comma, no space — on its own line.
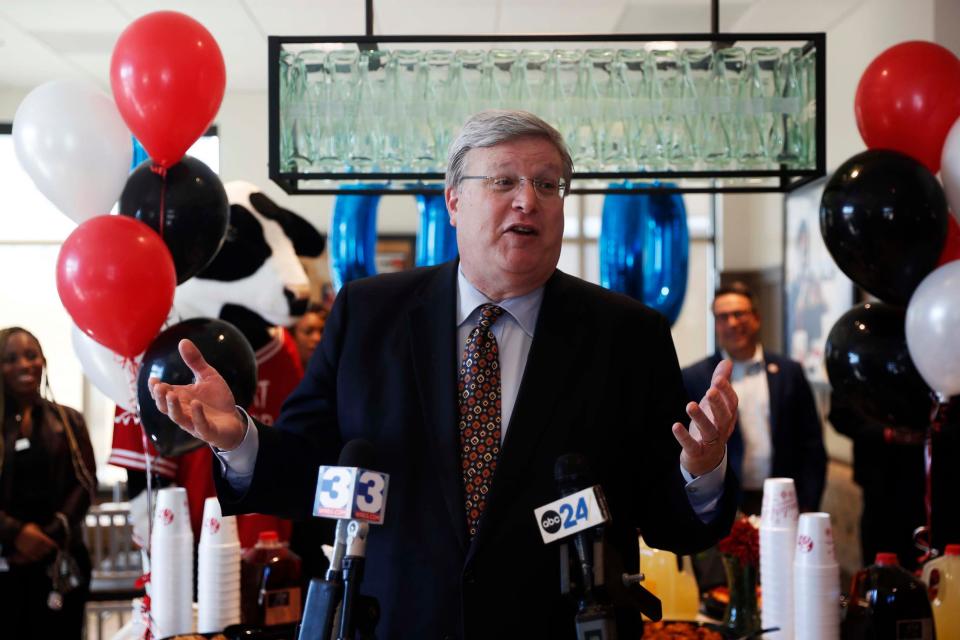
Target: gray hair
(494,126)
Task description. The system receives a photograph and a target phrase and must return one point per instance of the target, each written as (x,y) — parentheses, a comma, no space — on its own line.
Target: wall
(946,19)
(9,100)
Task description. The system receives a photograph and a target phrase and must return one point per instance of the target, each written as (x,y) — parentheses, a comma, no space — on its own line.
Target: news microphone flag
(572,514)
(351,493)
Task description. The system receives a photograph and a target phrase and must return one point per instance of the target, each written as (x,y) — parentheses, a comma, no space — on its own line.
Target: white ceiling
(42,40)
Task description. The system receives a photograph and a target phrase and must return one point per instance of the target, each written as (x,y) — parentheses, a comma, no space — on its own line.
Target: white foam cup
(172,515)
(814,541)
(779,507)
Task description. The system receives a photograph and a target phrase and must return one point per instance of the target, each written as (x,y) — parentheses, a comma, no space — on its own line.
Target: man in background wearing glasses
(778,432)
(470,379)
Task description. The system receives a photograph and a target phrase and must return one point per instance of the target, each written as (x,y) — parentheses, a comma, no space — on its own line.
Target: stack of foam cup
(778,537)
(218,570)
(171,555)
(816,580)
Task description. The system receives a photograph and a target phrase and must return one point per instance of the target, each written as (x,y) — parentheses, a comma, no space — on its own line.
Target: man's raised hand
(711,423)
(205,409)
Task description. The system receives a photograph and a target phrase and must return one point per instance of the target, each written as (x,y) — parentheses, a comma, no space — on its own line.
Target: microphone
(572,477)
(607,597)
(356,497)
(580,514)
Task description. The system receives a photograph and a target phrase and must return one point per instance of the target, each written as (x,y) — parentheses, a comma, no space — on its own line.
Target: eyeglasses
(732,315)
(544,188)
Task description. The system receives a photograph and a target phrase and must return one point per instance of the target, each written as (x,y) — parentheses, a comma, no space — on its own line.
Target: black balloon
(869,366)
(884,220)
(222,345)
(194,211)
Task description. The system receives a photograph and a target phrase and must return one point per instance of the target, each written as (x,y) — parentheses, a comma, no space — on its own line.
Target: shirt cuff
(704,492)
(237,465)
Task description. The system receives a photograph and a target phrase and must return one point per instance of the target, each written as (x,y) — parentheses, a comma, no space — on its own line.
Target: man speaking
(470,379)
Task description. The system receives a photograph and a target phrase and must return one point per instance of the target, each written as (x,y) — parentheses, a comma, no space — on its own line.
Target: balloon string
(132,368)
(148,463)
(162,172)
(938,416)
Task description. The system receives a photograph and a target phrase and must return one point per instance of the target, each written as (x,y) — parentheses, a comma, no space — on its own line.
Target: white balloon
(950,168)
(70,139)
(933,329)
(109,372)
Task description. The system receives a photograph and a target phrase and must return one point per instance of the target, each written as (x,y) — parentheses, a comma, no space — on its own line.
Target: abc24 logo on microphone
(571,514)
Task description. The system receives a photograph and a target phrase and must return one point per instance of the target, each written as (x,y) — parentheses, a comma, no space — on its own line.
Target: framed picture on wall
(395,253)
(816,292)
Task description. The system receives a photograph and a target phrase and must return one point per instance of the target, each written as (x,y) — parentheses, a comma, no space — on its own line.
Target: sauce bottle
(270,583)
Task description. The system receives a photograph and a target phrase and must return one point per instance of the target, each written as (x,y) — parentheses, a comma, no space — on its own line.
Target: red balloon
(168,78)
(116,279)
(951,248)
(907,100)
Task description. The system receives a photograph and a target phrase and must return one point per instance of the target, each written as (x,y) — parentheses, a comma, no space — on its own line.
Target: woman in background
(307,331)
(47,482)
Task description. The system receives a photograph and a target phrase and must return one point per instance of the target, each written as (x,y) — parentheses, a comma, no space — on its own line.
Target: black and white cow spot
(258,266)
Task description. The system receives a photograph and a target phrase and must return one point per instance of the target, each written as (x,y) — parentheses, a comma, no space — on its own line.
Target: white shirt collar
(755,359)
(524,309)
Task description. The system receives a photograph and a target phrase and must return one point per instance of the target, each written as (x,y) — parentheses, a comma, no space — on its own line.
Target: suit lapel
(557,340)
(433,337)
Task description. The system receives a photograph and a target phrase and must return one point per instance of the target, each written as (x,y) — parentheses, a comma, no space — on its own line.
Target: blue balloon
(139,154)
(436,237)
(353,237)
(644,249)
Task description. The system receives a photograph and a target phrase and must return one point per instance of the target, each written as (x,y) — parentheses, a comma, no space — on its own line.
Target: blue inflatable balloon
(139,154)
(644,249)
(353,235)
(436,237)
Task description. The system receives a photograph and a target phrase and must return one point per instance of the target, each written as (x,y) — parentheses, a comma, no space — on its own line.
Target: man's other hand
(711,423)
(205,409)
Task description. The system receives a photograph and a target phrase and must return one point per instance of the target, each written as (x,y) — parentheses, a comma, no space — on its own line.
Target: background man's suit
(795,430)
(601,379)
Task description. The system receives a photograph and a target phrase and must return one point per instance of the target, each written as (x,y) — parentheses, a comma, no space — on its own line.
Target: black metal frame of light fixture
(789,179)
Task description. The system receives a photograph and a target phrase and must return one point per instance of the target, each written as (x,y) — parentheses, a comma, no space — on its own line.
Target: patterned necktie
(479,400)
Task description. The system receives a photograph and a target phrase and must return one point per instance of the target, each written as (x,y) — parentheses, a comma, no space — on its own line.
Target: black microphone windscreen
(571,473)
(357,453)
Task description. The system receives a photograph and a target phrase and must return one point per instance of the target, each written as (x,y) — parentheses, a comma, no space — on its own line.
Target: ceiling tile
(64,15)
(27,62)
(309,17)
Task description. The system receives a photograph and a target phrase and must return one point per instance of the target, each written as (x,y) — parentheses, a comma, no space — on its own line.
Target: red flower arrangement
(743,543)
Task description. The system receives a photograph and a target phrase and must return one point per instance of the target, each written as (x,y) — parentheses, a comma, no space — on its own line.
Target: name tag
(22,444)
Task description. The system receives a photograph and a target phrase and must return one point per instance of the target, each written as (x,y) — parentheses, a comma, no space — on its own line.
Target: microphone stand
(596,617)
(324,596)
(356,551)
(607,597)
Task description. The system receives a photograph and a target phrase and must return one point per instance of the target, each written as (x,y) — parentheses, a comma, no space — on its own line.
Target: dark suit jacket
(795,430)
(601,379)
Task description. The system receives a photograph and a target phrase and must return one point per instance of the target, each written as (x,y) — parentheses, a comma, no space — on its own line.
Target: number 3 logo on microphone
(346,493)
(336,488)
(370,492)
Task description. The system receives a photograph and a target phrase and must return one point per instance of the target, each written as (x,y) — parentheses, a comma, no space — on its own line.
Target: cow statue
(257,283)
